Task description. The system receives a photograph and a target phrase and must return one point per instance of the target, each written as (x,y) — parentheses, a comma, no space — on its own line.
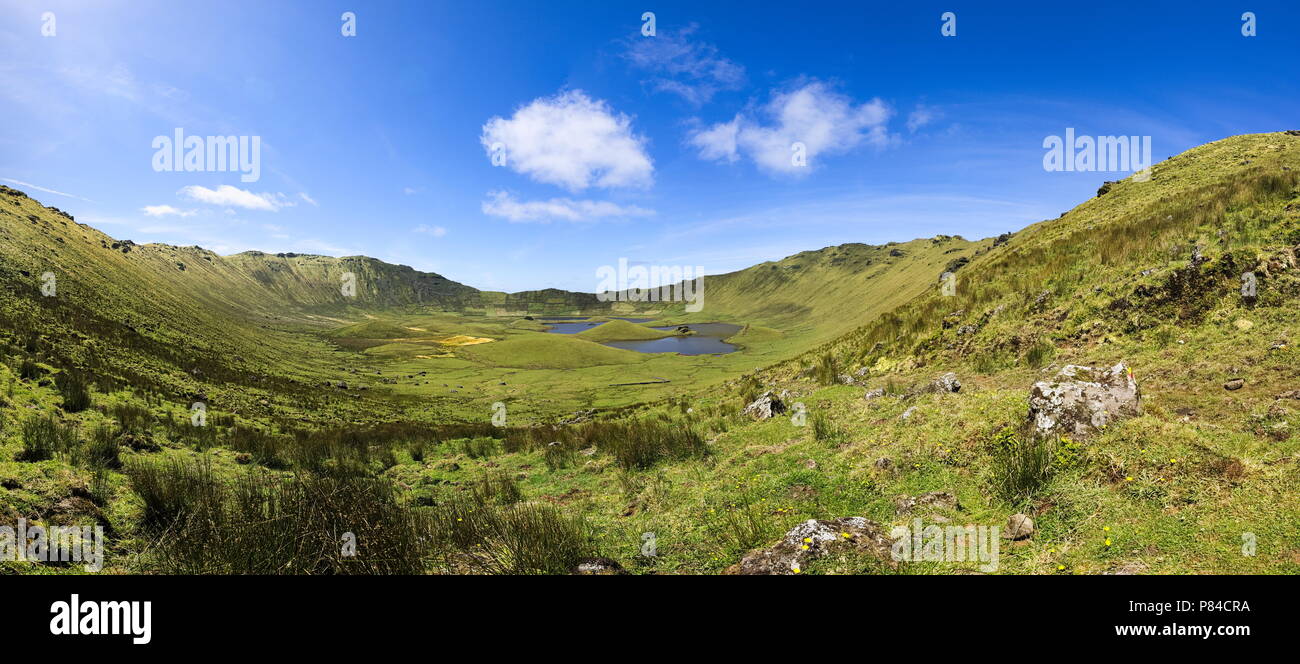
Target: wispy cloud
(164,210)
(303,195)
(48,191)
(921,116)
(683,66)
(435,231)
(503,204)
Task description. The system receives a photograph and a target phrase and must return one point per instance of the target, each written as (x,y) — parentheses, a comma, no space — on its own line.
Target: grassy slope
(1206,465)
(621,330)
(1173,491)
(818,295)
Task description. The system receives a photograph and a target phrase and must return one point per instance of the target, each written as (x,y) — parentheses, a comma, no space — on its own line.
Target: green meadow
(449,432)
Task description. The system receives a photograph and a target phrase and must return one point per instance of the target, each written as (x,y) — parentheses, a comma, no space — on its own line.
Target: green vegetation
(621,330)
(247,417)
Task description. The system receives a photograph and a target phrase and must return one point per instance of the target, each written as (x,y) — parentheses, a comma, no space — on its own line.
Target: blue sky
(668,149)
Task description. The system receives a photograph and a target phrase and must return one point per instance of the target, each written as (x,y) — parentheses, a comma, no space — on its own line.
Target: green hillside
(449,426)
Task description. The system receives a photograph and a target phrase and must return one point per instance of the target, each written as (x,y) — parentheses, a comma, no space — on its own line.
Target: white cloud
(164,210)
(717,143)
(921,116)
(303,195)
(436,231)
(411,191)
(690,69)
(572,141)
(229,196)
(503,204)
(823,120)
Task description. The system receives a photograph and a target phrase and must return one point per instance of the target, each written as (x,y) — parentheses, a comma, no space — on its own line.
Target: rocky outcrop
(764,407)
(815,538)
(1081,400)
(946,383)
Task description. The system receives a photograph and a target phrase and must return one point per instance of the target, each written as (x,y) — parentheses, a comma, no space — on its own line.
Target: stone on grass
(813,539)
(765,406)
(1081,400)
(1019,527)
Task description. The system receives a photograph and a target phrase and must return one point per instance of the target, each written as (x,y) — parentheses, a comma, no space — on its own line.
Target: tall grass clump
(825,371)
(478,537)
(740,527)
(75,391)
(640,444)
(102,450)
(44,435)
(1022,465)
(823,429)
(311,524)
(173,491)
(500,488)
(559,454)
(477,448)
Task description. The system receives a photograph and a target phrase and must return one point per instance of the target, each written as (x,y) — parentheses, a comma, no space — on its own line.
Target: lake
(707,340)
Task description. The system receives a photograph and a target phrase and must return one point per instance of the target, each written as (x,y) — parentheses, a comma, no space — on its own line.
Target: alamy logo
(349,285)
(936,543)
(78,544)
(1249,286)
(241,154)
(800,415)
(49,284)
(49,25)
(655,283)
(948,284)
(76,617)
(649,545)
(1099,153)
(498,414)
(199,414)
(648,24)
